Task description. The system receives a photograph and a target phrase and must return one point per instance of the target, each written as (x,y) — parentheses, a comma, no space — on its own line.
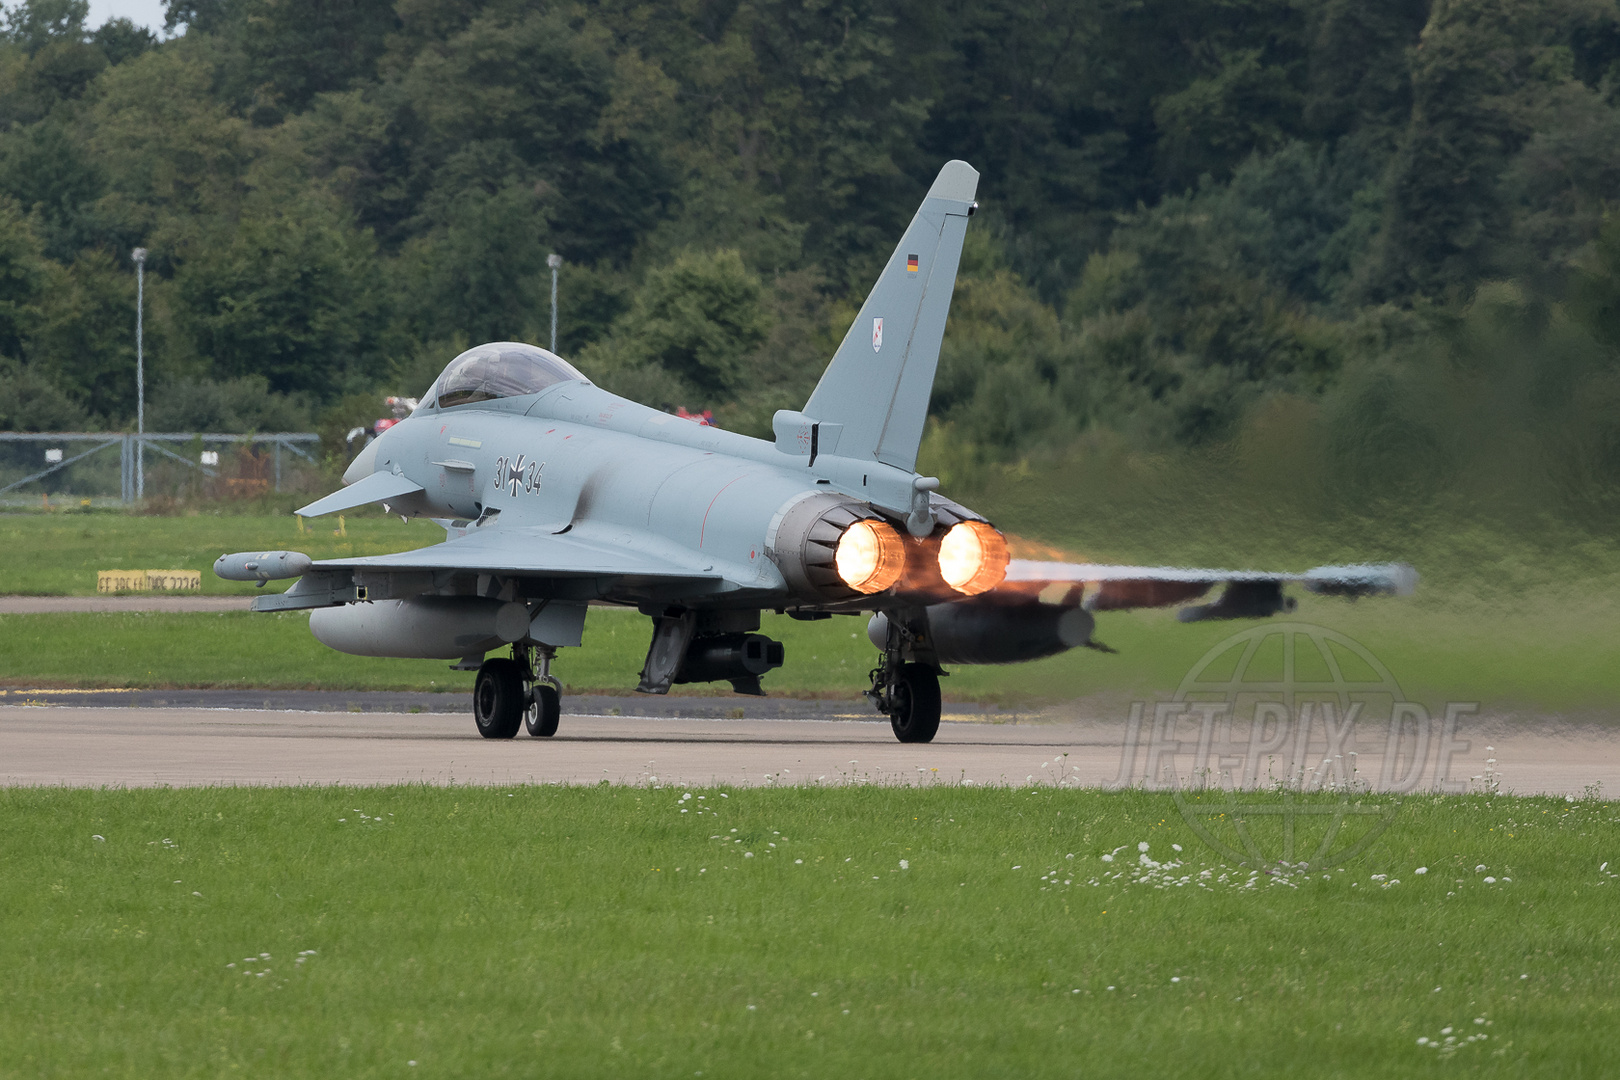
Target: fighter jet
(556,495)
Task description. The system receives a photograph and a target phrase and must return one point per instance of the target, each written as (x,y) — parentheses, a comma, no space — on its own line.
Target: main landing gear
(508,694)
(905,684)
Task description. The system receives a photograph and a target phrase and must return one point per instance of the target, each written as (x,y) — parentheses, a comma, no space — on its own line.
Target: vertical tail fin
(879,382)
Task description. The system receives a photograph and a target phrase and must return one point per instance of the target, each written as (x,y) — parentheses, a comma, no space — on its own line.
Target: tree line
(1386,217)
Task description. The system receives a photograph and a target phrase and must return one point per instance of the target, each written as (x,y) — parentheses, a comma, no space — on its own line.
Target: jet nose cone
(364,464)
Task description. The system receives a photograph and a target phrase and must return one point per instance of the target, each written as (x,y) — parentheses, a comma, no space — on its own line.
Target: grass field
(59,554)
(1494,621)
(1434,659)
(838,932)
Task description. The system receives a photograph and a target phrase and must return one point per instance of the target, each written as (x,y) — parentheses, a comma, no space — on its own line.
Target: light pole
(555,262)
(139,255)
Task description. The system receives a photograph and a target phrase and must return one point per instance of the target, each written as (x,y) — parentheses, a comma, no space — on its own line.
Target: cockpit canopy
(498,370)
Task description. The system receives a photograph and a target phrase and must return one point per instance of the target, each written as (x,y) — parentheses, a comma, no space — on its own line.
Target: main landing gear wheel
(914,703)
(498,699)
(544,711)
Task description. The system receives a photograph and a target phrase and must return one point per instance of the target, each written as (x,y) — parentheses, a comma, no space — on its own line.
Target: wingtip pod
(262,566)
(1362,579)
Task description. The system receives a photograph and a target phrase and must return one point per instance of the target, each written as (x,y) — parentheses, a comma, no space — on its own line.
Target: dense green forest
(1372,231)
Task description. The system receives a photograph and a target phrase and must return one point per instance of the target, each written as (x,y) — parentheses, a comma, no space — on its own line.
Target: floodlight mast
(555,262)
(139,255)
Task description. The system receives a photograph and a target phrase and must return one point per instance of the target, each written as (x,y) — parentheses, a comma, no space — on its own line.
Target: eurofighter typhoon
(556,494)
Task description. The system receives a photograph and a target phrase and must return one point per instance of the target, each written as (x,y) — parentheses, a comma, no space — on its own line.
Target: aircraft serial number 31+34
(556,494)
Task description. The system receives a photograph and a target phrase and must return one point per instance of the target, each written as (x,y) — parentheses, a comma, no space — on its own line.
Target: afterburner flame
(973,558)
(870,556)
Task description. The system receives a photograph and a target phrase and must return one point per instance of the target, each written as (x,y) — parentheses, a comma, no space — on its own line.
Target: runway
(142,747)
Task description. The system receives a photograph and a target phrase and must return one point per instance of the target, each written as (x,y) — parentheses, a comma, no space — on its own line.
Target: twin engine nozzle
(872,556)
(838,549)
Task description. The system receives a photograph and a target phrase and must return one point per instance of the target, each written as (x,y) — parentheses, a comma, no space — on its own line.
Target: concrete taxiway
(136,746)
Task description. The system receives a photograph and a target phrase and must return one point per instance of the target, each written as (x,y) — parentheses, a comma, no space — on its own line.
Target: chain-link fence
(117,468)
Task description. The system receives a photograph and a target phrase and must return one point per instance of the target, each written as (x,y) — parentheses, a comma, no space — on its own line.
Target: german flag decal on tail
(911,264)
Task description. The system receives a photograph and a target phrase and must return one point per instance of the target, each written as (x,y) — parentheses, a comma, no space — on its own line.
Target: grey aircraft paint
(555,493)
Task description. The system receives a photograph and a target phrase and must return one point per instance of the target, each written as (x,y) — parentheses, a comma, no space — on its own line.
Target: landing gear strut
(905,684)
(508,695)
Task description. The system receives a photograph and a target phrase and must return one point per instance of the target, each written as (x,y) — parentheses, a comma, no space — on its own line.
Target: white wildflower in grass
(748,854)
(1107,858)
(1421,870)
(1142,846)
(103,839)
(1175,847)
(1490,881)
(904,865)
(1480,869)
(798,862)
(1175,978)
